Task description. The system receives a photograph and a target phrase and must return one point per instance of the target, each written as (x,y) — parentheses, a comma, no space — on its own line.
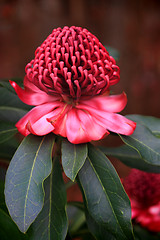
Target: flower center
(69,101)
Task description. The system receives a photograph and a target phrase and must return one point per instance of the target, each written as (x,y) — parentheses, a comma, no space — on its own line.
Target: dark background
(132,27)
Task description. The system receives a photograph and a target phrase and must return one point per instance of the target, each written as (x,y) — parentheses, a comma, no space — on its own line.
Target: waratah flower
(68,81)
(144,193)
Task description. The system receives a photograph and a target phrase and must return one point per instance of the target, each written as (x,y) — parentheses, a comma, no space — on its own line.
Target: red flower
(144,193)
(68,82)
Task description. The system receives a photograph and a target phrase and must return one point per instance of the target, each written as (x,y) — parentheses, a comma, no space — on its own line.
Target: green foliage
(78,227)
(9,98)
(130,157)
(51,223)
(8,148)
(35,193)
(107,205)
(8,229)
(144,234)
(6,85)
(11,114)
(7,131)
(2,199)
(11,110)
(145,142)
(142,147)
(73,158)
(29,167)
(152,123)
(11,107)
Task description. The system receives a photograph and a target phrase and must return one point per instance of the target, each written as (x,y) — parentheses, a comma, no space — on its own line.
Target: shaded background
(132,27)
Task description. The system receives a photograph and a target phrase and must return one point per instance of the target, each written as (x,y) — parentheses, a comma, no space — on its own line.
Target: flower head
(68,81)
(72,62)
(144,193)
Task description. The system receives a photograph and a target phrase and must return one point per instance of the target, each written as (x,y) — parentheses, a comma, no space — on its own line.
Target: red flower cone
(68,81)
(144,193)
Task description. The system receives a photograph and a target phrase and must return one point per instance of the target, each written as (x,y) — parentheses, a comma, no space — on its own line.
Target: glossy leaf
(78,205)
(77,221)
(51,223)
(10,99)
(6,84)
(7,131)
(146,143)
(29,167)
(8,148)
(76,215)
(9,139)
(100,231)
(130,157)
(142,233)
(107,205)
(73,158)
(8,229)
(152,123)
(11,114)
(2,199)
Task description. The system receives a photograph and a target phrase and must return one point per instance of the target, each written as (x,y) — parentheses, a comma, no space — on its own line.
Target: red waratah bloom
(68,81)
(144,193)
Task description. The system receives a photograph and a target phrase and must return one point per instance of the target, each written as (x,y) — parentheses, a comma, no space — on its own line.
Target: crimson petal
(111,121)
(28,123)
(112,103)
(81,127)
(31,97)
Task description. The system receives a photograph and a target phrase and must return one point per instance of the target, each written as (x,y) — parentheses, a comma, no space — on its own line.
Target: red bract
(68,82)
(144,193)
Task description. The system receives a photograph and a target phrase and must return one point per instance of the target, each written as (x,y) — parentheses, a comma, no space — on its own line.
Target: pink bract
(68,81)
(144,193)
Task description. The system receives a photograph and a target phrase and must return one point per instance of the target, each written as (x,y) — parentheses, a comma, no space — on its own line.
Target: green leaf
(52,222)
(142,233)
(152,123)
(2,199)
(10,99)
(78,205)
(8,229)
(6,84)
(99,231)
(108,209)
(11,114)
(76,219)
(29,167)
(131,158)
(73,158)
(7,149)
(146,144)
(7,131)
